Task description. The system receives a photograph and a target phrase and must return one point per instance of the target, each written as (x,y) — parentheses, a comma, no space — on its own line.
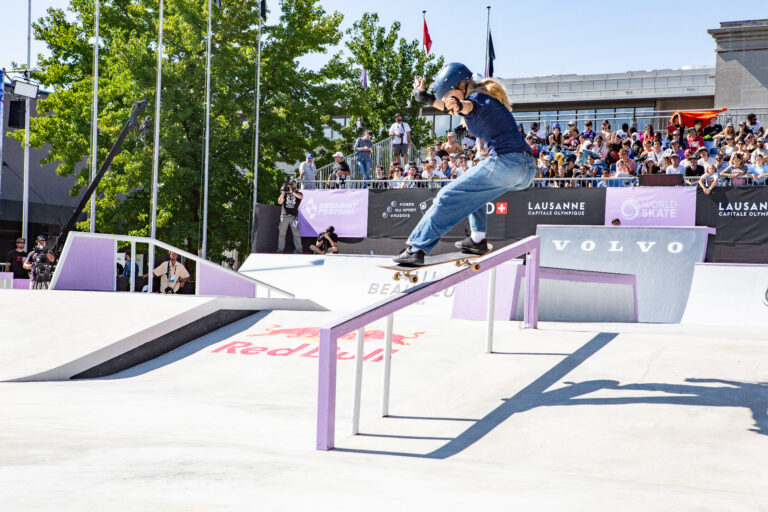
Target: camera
(287,187)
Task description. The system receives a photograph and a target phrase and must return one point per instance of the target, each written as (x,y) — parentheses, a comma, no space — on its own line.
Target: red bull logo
(313,334)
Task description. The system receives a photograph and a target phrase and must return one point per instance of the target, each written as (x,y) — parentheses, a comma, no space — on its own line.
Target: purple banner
(345,210)
(651,206)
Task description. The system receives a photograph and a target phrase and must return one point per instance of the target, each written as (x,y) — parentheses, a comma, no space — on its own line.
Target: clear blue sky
(530,37)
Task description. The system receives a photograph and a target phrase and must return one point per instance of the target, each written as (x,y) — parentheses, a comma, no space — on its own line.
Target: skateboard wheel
(396,277)
(413,279)
(475,266)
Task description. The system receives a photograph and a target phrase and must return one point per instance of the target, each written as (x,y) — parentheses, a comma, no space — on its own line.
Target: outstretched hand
(418,83)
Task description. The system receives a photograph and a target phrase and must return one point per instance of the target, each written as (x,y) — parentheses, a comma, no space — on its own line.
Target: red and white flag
(427,39)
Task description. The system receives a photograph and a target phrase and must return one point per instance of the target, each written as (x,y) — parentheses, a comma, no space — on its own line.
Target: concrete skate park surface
(54,335)
(567,417)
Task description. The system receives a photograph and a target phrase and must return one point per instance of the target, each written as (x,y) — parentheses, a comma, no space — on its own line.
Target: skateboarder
(485,109)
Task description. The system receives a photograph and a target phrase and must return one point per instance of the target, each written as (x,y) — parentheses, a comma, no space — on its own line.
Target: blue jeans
(365,168)
(469,194)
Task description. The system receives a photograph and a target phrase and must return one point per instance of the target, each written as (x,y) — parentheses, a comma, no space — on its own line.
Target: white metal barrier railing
(381,155)
(268,290)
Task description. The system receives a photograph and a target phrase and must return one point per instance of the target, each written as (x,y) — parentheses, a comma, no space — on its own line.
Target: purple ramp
(222,281)
(89,264)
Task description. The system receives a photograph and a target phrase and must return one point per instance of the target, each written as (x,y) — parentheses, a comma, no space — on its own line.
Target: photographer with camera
(289,201)
(40,262)
(173,275)
(326,242)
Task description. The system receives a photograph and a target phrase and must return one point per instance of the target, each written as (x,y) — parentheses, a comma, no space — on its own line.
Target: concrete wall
(741,74)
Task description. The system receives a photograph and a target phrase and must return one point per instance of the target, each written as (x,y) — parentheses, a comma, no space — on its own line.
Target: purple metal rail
(326,400)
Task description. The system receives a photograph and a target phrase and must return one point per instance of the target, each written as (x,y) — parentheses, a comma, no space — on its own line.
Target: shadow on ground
(753,396)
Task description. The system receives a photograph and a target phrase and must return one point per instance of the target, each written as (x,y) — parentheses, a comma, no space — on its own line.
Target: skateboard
(460,259)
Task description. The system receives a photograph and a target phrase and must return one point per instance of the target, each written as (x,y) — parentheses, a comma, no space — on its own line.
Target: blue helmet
(449,77)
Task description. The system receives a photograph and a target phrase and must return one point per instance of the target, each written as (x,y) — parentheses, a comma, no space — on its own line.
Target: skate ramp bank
(661,258)
(728,294)
(58,335)
(344,283)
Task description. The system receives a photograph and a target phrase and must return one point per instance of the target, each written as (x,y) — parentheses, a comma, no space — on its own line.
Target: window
(442,125)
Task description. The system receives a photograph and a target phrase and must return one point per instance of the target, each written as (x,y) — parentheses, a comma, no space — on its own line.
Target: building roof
(661,83)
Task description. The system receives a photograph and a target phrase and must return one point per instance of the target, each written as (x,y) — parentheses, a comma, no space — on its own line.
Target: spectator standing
(364,150)
(127,266)
(308,172)
(340,170)
(676,129)
(289,201)
(16,259)
(401,139)
(712,129)
(173,275)
(606,132)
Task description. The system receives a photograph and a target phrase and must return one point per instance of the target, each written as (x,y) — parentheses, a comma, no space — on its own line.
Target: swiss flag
(427,39)
(501,208)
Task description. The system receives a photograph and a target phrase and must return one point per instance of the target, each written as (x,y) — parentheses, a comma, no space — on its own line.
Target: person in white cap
(340,170)
(401,139)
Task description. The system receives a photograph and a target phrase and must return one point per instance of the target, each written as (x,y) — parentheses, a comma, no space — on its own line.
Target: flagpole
(207,133)
(95,113)
(27,109)
(156,151)
(487,32)
(423,42)
(256,142)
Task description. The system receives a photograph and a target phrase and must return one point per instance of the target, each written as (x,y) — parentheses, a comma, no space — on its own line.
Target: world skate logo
(659,209)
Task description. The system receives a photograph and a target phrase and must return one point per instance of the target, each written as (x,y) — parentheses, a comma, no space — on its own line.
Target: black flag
(263,10)
(491,56)
(218,3)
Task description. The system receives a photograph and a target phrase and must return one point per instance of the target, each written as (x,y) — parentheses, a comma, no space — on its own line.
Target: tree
(293,102)
(391,63)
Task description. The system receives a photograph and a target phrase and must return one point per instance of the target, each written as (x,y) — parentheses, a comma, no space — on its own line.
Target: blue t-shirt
(491,121)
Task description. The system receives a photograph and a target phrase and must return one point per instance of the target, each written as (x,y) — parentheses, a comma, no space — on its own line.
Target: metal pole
(132,267)
(491,310)
(256,142)
(423,42)
(207,133)
(387,366)
(156,155)
(487,31)
(358,381)
(28,103)
(95,118)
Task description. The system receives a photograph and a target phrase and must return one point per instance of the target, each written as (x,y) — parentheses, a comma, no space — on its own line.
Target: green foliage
(294,105)
(391,63)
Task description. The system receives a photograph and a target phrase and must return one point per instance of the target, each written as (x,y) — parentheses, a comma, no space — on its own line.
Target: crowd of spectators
(568,157)
(703,155)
